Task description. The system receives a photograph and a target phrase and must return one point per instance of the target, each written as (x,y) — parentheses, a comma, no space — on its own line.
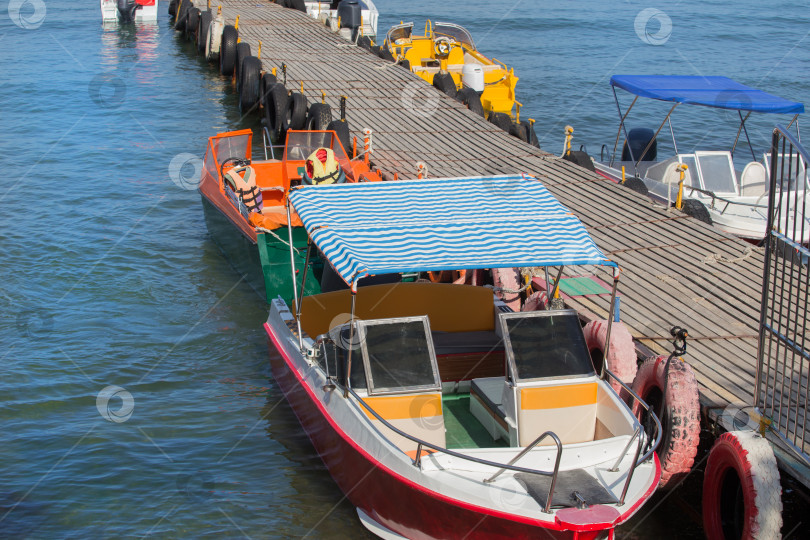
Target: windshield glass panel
(790,168)
(300,144)
(398,355)
(546,344)
(399,32)
(231,147)
(717,173)
(454,32)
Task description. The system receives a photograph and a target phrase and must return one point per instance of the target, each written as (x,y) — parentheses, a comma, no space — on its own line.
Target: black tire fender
(444,82)
(227,51)
(268,80)
(637,185)
(341,129)
(502,120)
(580,158)
(242,52)
(320,115)
(697,210)
(275,111)
(192,22)
(296,111)
(202,30)
(471,100)
(249,89)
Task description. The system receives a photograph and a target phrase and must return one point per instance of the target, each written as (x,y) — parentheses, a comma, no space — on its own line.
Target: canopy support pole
(556,283)
(622,127)
(649,144)
(351,343)
(747,138)
(294,283)
(304,277)
(610,319)
(795,119)
(672,133)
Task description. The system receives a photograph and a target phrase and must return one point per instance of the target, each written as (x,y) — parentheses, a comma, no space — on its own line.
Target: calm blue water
(135,396)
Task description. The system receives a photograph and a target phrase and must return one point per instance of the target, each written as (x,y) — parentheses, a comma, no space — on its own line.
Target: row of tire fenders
(283,109)
(741,468)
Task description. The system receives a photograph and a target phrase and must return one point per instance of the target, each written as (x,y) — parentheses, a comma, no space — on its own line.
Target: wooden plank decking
(676,271)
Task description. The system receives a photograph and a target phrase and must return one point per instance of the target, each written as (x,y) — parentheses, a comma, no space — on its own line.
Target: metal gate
(783,355)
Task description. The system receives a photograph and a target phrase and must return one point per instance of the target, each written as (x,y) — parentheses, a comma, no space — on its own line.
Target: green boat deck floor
(463,430)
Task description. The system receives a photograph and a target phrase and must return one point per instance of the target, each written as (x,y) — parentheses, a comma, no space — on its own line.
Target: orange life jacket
(245,187)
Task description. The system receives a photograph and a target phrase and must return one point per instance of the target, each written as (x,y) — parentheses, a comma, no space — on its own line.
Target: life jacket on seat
(245,187)
(321,167)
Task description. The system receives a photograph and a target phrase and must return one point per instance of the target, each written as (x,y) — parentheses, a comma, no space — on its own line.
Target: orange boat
(245,201)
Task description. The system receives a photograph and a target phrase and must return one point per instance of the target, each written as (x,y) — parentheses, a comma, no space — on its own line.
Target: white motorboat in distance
(715,189)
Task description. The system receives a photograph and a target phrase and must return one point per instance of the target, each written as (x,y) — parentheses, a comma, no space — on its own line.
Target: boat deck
(463,429)
(676,270)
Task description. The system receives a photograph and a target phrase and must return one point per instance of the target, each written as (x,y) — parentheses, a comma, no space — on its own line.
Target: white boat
(437,410)
(733,198)
(129,10)
(328,13)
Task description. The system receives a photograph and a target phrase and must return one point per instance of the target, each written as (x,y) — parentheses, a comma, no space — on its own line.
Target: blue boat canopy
(442,224)
(717,92)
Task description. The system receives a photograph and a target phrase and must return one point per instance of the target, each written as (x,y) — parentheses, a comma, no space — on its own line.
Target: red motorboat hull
(397,502)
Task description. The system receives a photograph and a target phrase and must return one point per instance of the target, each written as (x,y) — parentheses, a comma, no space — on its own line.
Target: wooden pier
(676,271)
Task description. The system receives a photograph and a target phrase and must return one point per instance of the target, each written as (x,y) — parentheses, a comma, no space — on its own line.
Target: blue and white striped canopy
(442,224)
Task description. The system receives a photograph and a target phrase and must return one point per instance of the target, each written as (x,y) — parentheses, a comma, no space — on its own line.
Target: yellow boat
(446,55)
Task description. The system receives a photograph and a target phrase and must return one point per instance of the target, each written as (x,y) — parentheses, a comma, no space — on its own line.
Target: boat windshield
(399,32)
(794,168)
(233,146)
(398,355)
(455,32)
(716,172)
(300,144)
(545,344)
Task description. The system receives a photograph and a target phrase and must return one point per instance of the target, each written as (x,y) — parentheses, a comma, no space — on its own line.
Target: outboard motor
(638,139)
(350,14)
(126,10)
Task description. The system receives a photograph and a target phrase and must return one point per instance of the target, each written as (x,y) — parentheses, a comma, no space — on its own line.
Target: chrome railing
(653,446)
(526,450)
(267,143)
(510,466)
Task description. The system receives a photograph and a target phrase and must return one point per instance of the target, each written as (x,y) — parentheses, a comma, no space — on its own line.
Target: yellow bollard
(259,52)
(236,23)
(681,169)
(623,175)
(569,136)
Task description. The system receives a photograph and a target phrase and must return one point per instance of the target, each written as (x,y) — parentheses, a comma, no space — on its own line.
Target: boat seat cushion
(753,180)
(672,176)
(486,405)
(490,391)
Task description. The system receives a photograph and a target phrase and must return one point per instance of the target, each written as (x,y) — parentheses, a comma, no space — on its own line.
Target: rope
(718,258)
(508,291)
(277,237)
